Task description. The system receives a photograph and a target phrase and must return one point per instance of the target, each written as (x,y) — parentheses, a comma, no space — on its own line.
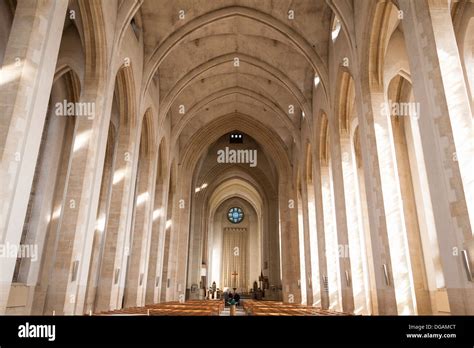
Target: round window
(235,215)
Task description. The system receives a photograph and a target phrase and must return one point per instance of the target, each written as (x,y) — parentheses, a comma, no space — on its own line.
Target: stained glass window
(235,215)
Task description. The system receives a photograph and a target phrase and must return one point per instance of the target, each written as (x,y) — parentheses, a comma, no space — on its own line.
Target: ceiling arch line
(343,9)
(194,74)
(126,12)
(237,119)
(269,141)
(178,128)
(235,188)
(219,175)
(295,39)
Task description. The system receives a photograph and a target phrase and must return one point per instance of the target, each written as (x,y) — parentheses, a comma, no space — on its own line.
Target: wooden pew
(274,308)
(188,308)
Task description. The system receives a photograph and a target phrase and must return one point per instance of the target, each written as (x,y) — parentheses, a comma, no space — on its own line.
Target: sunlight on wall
(302,282)
(354,234)
(119,175)
(336,28)
(427,224)
(316,80)
(100,223)
(157,214)
(81,140)
(401,269)
(200,188)
(313,243)
(461,123)
(11,72)
(56,213)
(142,198)
(332,255)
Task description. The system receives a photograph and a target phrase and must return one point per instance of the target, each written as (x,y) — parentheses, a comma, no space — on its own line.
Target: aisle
(238,313)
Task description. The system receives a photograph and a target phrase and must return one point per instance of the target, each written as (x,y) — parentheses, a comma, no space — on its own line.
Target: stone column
(386,301)
(156,241)
(118,222)
(289,240)
(446,130)
(341,219)
(307,245)
(331,247)
(178,247)
(161,245)
(68,282)
(26,80)
(139,244)
(321,239)
(302,244)
(392,200)
(355,237)
(169,228)
(102,221)
(310,212)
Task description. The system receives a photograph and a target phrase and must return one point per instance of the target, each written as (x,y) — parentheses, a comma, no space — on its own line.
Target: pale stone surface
(360,198)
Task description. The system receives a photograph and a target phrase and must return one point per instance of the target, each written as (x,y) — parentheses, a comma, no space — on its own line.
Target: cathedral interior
(315,153)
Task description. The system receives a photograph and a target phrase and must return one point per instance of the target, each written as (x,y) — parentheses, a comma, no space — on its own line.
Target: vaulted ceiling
(216,58)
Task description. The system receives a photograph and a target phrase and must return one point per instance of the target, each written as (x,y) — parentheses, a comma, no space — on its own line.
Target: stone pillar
(310,211)
(364,225)
(355,236)
(170,214)
(321,239)
(68,282)
(102,221)
(331,247)
(345,269)
(302,245)
(445,126)
(161,245)
(406,167)
(386,301)
(118,222)
(178,247)
(27,76)
(56,157)
(156,241)
(289,240)
(392,199)
(143,210)
(307,245)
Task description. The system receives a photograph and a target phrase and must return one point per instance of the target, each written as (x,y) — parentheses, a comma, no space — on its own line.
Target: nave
(314,153)
(218,308)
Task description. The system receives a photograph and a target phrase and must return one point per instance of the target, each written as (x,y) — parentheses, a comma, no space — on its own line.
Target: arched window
(235,215)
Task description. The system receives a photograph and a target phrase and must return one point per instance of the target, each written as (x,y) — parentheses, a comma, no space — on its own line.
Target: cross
(235,274)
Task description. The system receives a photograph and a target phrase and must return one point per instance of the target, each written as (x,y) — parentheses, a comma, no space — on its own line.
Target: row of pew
(214,308)
(275,308)
(188,308)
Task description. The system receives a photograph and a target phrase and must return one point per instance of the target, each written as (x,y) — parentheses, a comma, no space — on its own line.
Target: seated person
(226,297)
(237,298)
